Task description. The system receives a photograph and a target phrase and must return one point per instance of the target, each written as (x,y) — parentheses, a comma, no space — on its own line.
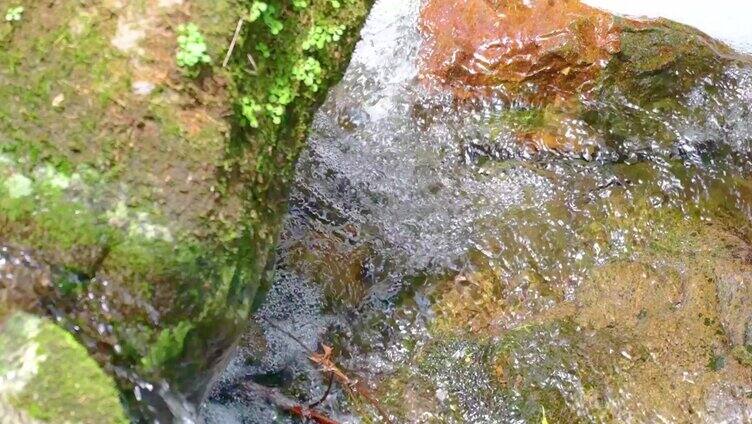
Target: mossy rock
(143,185)
(659,64)
(48,377)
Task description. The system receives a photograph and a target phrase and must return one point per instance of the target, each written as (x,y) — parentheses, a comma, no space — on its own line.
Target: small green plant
(320,36)
(269,16)
(257,8)
(14,14)
(267,13)
(308,71)
(299,4)
(249,110)
(280,95)
(264,50)
(275,112)
(191,49)
(335,4)
(281,92)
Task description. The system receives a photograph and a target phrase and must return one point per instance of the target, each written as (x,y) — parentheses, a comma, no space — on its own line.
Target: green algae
(169,345)
(522,121)
(525,119)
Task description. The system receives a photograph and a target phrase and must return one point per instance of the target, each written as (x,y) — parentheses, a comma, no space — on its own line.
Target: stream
(466,277)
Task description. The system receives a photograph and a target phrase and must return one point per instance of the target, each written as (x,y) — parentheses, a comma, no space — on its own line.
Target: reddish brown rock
(564,66)
(558,45)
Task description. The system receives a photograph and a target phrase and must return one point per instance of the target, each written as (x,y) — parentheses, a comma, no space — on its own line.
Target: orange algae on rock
(557,45)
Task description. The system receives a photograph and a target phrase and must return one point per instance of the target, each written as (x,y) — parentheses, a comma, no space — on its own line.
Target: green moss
(69,225)
(37,69)
(88,245)
(288,51)
(60,223)
(169,345)
(522,121)
(65,385)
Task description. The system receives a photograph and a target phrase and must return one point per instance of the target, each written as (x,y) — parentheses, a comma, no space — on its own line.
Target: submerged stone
(557,45)
(734,290)
(662,323)
(590,79)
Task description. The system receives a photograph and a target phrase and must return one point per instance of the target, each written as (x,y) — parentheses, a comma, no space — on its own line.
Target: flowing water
(466,277)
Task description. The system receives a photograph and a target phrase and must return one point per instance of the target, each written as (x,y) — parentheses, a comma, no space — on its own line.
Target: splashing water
(470,278)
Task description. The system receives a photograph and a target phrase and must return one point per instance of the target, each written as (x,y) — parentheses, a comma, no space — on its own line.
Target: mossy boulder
(47,377)
(150,193)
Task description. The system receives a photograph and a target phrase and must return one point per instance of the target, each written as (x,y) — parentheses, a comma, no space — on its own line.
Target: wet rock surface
(570,71)
(557,45)
(734,293)
(596,269)
(501,209)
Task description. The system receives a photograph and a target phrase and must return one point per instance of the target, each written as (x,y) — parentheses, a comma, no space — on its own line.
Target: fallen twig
(232,43)
(276,398)
(324,360)
(353,385)
(253,71)
(326,393)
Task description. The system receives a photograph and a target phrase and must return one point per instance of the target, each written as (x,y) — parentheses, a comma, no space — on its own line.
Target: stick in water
(274,397)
